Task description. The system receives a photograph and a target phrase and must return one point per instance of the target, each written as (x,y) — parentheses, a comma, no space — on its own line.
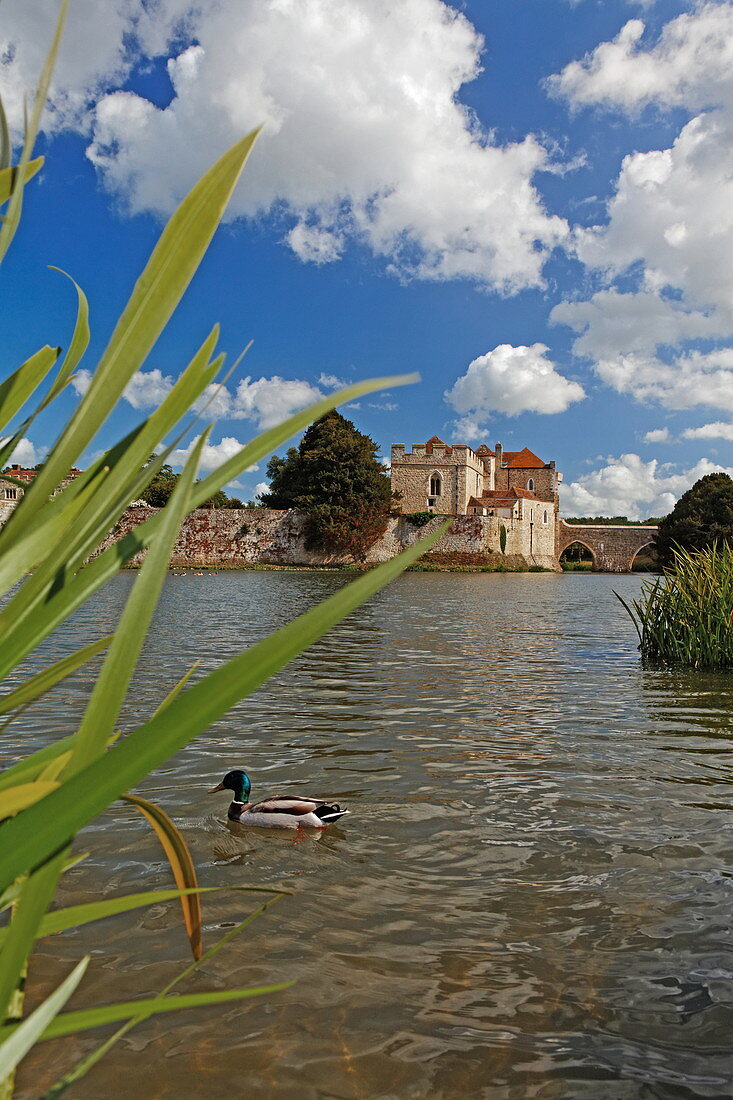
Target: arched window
(544,517)
(436,485)
(530,484)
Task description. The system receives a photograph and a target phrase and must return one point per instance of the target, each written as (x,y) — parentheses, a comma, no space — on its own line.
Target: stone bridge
(613,547)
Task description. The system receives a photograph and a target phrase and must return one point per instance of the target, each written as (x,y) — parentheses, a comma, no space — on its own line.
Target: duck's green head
(237,781)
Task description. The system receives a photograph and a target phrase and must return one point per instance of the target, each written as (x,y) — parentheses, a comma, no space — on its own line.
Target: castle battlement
(516,487)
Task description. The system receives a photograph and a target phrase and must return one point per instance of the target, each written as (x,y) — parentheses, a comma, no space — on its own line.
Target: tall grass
(47,572)
(685,617)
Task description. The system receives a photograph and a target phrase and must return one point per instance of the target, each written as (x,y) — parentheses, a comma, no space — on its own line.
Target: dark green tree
(218,500)
(160,488)
(335,477)
(702,515)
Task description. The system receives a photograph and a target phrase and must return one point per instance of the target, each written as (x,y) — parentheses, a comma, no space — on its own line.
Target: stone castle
(515,489)
(492,496)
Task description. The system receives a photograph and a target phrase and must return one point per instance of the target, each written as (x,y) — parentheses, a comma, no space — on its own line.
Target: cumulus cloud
(26,453)
(261,487)
(147,389)
(265,401)
(691,64)
(269,401)
(509,380)
(81,381)
(657,435)
(669,222)
(718,430)
(330,381)
(365,138)
(612,323)
(212,455)
(631,487)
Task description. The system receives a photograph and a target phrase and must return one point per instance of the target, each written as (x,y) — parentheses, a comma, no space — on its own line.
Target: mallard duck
(280,812)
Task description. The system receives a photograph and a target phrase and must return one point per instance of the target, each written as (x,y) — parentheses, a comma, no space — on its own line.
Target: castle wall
(241,537)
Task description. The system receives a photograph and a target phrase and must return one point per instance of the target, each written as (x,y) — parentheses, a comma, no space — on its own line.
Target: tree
(160,488)
(702,515)
(335,477)
(218,500)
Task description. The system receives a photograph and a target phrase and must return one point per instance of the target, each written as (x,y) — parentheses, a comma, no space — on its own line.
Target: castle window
(436,485)
(11,494)
(544,517)
(530,484)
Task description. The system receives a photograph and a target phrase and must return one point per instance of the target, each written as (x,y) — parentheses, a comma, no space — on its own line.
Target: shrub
(686,616)
(419,519)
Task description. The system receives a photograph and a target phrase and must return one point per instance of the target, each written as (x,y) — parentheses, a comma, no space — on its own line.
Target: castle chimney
(499,456)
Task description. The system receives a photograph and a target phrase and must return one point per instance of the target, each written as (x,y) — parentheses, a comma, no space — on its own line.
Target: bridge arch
(613,546)
(647,546)
(584,544)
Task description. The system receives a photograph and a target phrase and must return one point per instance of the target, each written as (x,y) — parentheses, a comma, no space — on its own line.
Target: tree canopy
(157,493)
(335,477)
(703,515)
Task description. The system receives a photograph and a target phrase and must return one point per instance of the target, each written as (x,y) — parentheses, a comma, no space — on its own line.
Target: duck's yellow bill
(218,787)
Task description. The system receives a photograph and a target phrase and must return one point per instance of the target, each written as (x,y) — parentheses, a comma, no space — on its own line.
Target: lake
(531,898)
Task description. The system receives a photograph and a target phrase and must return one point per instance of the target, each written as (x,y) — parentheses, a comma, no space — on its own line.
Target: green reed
(685,617)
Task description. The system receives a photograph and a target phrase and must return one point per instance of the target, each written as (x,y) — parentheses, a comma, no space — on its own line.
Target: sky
(529,203)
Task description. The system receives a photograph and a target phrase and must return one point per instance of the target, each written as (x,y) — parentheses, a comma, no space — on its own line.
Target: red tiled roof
(523,460)
(484,450)
(20,473)
(439,442)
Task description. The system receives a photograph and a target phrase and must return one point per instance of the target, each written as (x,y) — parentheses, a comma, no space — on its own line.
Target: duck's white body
(286,812)
(282,811)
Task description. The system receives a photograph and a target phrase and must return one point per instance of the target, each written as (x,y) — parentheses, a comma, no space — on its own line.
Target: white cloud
(26,453)
(612,323)
(672,212)
(717,430)
(269,401)
(213,454)
(81,381)
(630,487)
(365,138)
(330,381)
(691,64)
(695,378)
(266,401)
(147,389)
(670,220)
(315,245)
(657,435)
(261,487)
(509,380)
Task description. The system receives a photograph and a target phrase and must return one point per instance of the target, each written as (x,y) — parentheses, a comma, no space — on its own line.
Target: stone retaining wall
(241,537)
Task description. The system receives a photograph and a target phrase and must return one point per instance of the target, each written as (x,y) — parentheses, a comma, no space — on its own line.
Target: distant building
(14,480)
(515,487)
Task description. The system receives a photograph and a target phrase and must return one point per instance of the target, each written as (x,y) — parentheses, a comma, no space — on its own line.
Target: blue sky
(530,203)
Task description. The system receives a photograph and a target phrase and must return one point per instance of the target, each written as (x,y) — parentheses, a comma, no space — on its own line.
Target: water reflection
(531,897)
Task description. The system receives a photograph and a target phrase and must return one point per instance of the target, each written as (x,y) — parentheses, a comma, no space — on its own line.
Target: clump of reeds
(685,617)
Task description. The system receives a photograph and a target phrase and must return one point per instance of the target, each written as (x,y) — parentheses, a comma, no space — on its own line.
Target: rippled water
(532,897)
